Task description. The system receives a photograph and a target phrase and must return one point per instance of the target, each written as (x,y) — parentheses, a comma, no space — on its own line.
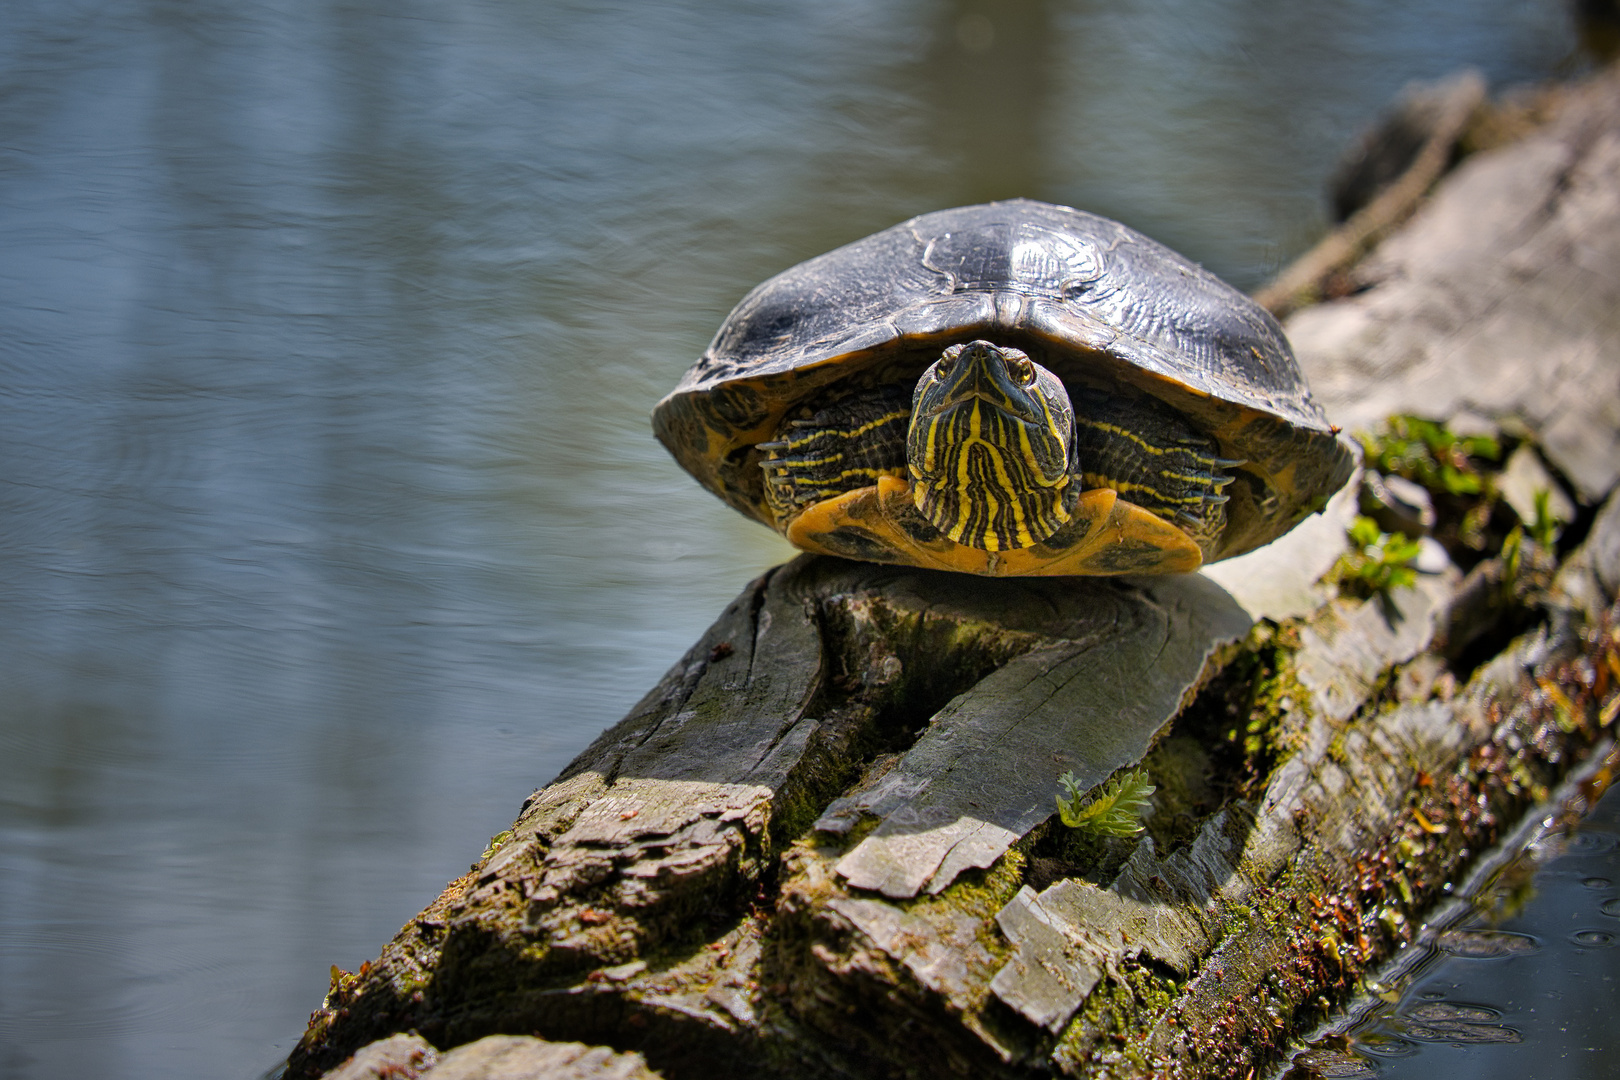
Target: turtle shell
(1097,303)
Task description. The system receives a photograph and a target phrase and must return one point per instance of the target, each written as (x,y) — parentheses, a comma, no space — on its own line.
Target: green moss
(1246,721)
(1236,920)
(1121,1011)
(1460,473)
(980,894)
(863,828)
(1512,557)
(1376,563)
(1180,768)
(1432,455)
(1277,703)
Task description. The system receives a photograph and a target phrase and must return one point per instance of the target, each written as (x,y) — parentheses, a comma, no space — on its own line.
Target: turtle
(1012,388)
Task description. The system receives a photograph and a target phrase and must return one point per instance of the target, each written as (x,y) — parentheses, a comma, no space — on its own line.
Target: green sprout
(1512,560)
(1117,810)
(1376,562)
(1432,455)
(496,842)
(1545,528)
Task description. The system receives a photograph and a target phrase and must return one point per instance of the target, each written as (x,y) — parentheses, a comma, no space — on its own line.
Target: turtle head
(990,448)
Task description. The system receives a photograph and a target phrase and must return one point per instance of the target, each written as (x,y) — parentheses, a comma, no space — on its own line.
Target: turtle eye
(1022,369)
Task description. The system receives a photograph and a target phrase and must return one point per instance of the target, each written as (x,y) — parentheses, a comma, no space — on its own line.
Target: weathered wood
(1228,915)
(494,1057)
(675,814)
(1448,108)
(404,1056)
(1090,700)
(823,845)
(1500,299)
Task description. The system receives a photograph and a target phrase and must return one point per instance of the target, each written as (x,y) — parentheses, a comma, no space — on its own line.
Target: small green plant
(1545,528)
(1542,530)
(496,842)
(1117,810)
(1432,455)
(1376,562)
(1512,561)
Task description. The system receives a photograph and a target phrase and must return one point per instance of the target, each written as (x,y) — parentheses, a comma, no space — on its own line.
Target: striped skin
(1154,458)
(846,446)
(990,448)
(993,455)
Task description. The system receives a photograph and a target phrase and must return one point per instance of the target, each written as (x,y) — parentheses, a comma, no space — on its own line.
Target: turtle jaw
(990,448)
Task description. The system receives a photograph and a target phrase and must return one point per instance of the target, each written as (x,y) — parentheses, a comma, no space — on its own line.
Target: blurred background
(331,523)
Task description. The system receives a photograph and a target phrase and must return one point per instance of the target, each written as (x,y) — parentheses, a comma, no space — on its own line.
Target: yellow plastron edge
(1107,536)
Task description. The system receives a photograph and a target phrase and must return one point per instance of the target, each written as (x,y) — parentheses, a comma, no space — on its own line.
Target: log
(1437,118)
(825,843)
(494,1057)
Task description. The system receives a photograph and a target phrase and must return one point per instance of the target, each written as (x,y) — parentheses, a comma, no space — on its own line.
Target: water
(330,520)
(1525,983)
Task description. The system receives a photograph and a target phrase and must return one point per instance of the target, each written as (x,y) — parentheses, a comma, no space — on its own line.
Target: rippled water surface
(330,519)
(1525,985)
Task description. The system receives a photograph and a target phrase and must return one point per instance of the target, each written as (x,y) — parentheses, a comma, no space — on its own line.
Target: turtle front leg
(1150,455)
(848,445)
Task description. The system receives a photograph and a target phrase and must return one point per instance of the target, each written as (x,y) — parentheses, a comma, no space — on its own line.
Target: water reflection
(330,521)
(990,74)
